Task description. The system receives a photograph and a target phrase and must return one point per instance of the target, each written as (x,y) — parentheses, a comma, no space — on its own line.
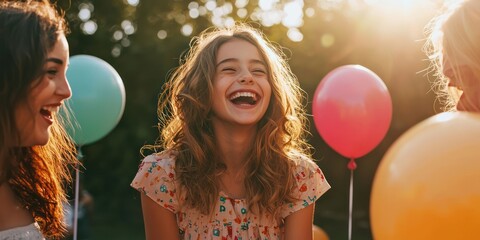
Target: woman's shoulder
(166,156)
(156,179)
(303,162)
(163,161)
(306,168)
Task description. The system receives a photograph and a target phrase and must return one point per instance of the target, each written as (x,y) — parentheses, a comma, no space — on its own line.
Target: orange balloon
(318,233)
(426,186)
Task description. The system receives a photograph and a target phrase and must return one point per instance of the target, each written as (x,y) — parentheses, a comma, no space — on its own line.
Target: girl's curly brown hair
(184,111)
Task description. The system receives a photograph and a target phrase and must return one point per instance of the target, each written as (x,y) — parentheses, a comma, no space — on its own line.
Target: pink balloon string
(352,166)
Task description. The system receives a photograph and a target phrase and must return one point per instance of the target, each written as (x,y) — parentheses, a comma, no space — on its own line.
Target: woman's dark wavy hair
(184,110)
(37,174)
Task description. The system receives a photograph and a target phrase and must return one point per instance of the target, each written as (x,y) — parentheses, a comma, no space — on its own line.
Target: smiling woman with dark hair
(35,151)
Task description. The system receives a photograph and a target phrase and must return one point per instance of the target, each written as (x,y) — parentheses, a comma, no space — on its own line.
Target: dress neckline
(223,193)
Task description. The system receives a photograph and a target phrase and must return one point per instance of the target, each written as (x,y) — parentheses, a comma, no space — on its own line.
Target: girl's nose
(246,78)
(63,88)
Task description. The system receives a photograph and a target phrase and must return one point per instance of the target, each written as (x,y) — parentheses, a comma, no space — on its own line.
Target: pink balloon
(352,110)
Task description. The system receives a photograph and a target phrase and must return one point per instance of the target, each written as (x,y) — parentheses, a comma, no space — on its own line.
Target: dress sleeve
(311,184)
(156,179)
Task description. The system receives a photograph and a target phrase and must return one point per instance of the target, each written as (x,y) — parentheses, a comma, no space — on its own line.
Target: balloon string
(77,187)
(350,200)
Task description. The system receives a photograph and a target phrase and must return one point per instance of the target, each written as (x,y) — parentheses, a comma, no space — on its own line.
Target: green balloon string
(77,190)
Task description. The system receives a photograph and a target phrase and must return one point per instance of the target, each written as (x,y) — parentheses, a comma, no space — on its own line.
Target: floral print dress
(232,218)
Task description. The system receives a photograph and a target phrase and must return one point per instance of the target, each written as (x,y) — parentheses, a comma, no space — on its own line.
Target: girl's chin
(39,140)
(473,109)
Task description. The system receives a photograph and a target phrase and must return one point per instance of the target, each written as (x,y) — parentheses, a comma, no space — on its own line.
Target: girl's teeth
(244,94)
(50,109)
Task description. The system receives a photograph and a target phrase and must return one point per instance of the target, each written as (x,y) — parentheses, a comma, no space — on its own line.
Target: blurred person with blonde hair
(454,50)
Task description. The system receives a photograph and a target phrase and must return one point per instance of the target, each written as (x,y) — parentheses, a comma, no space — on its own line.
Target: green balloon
(98,98)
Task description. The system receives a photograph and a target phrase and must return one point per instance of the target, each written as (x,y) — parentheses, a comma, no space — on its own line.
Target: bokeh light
(118,35)
(295,35)
(187,30)
(211,5)
(128,27)
(116,50)
(133,3)
(241,3)
(327,40)
(310,12)
(242,12)
(162,34)
(89,27)
(84,14)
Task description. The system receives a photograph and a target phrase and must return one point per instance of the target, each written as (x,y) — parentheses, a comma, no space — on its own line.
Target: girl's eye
(259,71)
(52,72)
(228,69)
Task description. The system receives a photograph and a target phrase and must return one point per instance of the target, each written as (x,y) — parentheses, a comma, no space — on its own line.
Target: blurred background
(143,40)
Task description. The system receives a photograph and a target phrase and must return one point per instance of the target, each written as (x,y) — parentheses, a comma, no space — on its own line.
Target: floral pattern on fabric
(231,219)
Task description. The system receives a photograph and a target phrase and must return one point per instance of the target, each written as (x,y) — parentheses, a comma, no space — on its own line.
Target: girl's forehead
(238,48)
